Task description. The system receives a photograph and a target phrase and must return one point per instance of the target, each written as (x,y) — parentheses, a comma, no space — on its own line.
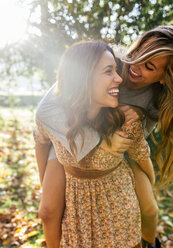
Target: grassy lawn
(20,188)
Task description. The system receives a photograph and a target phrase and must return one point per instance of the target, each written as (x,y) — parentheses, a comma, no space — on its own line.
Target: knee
(150,211)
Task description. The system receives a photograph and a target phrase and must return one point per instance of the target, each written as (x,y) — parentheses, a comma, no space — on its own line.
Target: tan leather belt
(87,173)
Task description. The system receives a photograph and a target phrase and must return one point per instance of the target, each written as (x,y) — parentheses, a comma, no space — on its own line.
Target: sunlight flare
(12,22)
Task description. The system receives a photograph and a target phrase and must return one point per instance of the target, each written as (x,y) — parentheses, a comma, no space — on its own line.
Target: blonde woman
(148,83)
(149,66)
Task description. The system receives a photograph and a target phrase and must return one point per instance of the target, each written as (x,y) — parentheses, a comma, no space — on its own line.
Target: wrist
(104,145)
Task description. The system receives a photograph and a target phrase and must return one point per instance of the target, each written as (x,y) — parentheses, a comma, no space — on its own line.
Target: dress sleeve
(139,150)
(40,134)
(52,154)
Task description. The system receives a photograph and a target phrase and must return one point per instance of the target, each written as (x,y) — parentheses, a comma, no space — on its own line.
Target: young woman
(101,205)
(148,83)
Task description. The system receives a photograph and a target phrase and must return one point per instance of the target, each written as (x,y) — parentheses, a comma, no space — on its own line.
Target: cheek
(94,86)
(161,76)
(157,77)
(100,94)
(133,67)
(150,75)
(145,71)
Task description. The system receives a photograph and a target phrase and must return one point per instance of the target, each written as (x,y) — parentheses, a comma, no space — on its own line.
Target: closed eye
(108,71)
(148,67)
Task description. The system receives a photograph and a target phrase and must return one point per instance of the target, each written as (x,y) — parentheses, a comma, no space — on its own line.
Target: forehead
(151,43)
(106,59)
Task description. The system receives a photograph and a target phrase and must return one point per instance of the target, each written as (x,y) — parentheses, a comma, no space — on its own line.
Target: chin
(114,105)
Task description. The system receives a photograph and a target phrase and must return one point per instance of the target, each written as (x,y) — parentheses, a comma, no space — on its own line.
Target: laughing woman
(102,209)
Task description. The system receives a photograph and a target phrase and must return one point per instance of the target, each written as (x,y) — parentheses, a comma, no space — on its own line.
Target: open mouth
(134,74)
(113,92)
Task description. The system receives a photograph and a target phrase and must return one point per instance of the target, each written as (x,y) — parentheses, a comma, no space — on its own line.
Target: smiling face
(141,75)
(105,85)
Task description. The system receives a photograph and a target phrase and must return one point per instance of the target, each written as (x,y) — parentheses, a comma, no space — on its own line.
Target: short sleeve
(139,150)
(40,134)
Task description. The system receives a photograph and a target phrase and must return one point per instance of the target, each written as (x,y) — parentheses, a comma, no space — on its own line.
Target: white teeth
(113,91)
(134,73)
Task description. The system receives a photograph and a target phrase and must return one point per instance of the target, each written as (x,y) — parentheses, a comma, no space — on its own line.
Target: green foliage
(109,19)
(62,22)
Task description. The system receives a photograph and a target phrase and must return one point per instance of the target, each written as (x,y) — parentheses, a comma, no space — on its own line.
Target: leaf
(170,214)
(6,242)
(29,235)
(170,236)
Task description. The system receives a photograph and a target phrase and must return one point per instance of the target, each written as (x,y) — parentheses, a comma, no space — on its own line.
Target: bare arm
(52,203)
(42,147)
(147,167)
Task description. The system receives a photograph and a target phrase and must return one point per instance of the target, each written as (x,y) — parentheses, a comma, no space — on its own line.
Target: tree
(61,22)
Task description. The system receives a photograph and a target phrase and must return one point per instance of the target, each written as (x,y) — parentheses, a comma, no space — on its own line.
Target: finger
(131,112)
(131,115)
(124,148)
(128,118)
(118,154)
(129,122)
(121,146)
(125,108)
(123,140)
(122,134)
(120,141)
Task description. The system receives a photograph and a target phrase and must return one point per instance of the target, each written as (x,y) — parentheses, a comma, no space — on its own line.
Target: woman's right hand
(120,143)
(132,113)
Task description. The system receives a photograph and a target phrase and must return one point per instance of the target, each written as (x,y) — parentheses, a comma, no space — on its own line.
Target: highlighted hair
(155,43)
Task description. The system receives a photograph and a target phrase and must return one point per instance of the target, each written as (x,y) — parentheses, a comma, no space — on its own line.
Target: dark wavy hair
(74,85)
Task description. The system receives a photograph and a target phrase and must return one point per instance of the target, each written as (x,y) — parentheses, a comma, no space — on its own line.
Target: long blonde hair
(156,43)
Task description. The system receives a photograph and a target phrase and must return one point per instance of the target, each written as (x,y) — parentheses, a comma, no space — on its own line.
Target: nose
(117,78)
(136,67)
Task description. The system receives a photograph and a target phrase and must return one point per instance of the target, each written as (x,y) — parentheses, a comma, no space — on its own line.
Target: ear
(162,81)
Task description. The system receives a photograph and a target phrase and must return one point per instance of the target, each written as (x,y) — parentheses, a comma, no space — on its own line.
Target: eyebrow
(149,62)
(109,66)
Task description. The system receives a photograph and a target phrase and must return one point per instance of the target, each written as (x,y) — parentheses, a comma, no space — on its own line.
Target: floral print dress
(102,212)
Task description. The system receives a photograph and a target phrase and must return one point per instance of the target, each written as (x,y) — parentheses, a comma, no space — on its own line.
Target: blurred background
(33,35)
